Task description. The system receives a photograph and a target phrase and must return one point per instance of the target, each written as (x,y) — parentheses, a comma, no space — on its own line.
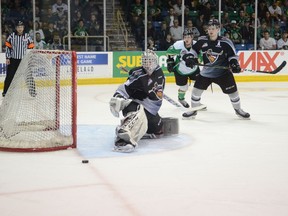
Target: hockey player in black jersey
(216,51)
(139,99)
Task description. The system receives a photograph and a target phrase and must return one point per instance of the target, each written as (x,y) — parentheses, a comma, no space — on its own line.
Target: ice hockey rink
(218,164)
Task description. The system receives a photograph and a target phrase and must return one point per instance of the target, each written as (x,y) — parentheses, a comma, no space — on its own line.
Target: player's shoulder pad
(203,37)
(159,70)
(178,43)
(176,46)
(223,38)
(136,72)
(226,40)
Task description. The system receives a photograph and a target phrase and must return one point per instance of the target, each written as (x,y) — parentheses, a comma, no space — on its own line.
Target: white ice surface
(219,165)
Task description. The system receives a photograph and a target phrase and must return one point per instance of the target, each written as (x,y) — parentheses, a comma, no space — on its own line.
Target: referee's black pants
(11,70)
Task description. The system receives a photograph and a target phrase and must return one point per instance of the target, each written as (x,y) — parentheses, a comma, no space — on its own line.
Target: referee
(16,44)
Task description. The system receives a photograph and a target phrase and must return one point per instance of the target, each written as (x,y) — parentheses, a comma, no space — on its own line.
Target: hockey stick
(278,69)
(171,101)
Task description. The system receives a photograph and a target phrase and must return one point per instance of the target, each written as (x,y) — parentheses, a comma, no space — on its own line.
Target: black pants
(11,70)
(226,82)
(182,80)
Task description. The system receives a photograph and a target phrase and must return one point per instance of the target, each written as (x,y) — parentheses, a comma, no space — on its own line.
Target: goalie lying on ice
(139,99)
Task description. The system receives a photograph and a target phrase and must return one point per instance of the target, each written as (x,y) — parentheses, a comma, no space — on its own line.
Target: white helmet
(149,61)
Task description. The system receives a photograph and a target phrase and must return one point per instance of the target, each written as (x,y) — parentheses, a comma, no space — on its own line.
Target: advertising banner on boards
(108,64)
(132,59)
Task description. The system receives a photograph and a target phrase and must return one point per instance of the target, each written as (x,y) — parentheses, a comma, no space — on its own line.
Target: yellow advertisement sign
(124,61)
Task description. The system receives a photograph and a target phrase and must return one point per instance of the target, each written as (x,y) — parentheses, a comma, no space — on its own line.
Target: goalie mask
(149,61)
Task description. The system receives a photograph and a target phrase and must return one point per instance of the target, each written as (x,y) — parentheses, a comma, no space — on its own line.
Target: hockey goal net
(39,110)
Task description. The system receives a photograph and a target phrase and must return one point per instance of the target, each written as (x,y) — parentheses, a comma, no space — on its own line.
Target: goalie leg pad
(132,127)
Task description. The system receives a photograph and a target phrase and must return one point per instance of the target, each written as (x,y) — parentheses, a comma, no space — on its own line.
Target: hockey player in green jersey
(178,63)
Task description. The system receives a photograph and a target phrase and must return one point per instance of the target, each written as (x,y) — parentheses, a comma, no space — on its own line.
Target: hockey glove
(117,104)
(170,64)
(234,65)
(190,60)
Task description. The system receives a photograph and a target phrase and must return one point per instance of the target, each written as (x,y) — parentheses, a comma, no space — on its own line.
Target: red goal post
(39,110)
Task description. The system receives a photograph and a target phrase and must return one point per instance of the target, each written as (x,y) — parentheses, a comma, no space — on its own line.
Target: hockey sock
(235,100)
(196,97)
(182,91)
(181,94)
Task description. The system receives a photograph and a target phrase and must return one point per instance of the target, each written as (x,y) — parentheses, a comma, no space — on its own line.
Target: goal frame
(57,98)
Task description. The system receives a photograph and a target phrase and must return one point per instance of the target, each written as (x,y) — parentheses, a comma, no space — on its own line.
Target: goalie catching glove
(234,65)
(118,103)
(190,60)
(170,64)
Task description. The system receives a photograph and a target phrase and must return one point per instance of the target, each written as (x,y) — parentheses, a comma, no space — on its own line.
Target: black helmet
(187,32)
(214,22)
(19,23)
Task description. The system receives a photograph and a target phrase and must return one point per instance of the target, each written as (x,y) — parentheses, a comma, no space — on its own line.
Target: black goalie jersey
(144,89)
(217,53)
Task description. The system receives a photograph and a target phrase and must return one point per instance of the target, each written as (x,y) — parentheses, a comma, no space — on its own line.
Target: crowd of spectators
(51,24)
(164,21)
(237,22)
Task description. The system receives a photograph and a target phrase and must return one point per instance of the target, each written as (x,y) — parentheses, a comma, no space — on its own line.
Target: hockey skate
(242,114)
(123,146)
(204,107)
(189,115)
(183,103)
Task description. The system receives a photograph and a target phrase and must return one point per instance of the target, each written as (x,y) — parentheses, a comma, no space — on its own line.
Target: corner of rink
(97,141)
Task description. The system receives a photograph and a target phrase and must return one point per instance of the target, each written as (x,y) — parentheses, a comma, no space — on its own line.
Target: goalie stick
(176,104)
(277,70)
(171,101)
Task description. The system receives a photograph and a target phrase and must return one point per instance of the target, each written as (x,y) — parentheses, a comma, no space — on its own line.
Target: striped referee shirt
(16,45)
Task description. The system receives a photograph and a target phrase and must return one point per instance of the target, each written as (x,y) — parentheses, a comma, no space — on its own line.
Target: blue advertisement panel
(92,59)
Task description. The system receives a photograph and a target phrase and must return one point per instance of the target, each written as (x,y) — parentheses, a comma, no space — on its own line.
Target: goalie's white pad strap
(133,126)
(117,104)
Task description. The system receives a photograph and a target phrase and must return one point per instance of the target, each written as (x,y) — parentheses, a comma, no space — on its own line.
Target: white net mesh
(37,112)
